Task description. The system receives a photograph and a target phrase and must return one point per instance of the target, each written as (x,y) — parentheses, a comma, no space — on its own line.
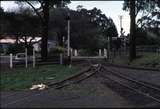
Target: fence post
(71,52)
(11,61)
(26,58)
(105,52)
(34,58)
(75,52)
(100,52)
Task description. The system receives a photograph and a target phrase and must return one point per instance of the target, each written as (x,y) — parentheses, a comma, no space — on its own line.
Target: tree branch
(35,10)
(30,42)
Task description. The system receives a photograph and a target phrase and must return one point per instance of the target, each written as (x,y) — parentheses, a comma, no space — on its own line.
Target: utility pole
(68,40)
(68,31)
(121,29)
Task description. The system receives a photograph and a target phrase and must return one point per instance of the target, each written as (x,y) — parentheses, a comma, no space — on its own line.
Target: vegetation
(96,27)
(148,60)
(20,78)
(22,26)
(150,10)
(50,21)
(19,48)
(43,13)
(144,59)
(132,39)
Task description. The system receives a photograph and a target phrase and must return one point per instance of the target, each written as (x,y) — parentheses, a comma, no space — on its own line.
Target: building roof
(12,39)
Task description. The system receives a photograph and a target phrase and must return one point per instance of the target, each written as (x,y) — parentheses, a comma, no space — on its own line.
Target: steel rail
(56,85)
(136,85)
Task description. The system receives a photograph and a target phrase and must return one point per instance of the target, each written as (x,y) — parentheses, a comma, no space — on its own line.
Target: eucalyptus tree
(149,10)
(22,25)
(89,28)
(43,13)
(135,7)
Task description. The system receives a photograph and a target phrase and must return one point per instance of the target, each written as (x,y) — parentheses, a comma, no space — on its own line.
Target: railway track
(125,73)
(86,73)
(76,78)
(140,87)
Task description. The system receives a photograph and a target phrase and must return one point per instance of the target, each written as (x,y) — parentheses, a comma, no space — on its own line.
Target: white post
(108,48)
(105,52)
(26,57)
(34,58)
(68,44)
(71,52)
(11,60)
(61,58)
(75,52)
(100,52)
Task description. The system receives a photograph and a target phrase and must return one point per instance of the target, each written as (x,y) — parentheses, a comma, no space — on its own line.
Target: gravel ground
(92,93)
(152,77)
(88,93)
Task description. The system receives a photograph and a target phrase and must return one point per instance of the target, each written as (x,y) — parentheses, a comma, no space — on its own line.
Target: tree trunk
(60,42)
(44,47)
(132,50)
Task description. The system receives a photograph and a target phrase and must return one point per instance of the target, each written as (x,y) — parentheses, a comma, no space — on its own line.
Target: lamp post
(68,32)
(121,29)
(68,40)
(122,34)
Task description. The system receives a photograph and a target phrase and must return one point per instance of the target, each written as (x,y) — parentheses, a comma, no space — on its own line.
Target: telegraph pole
(68,31)
(121,29)
(68,40)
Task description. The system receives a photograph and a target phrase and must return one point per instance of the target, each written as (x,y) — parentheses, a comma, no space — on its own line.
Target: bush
(56,50)
(19,48)
(88,52)
(1,50)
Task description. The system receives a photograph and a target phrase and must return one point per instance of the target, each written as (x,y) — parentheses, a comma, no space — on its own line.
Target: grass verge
(22,78)
(145,59)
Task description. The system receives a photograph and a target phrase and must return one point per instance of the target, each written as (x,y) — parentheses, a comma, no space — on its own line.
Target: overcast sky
(110,8)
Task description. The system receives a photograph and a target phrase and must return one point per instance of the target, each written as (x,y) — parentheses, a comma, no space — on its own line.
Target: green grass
(147,60)
(22,78)
(143,60)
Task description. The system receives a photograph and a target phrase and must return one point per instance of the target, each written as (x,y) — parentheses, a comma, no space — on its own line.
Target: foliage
(19,48)
(57,50)
(88,52)
(145,59)
(150,11)
(145,38)
(43,13)
(89,28)
(20,24)
(148,60)
(1,50)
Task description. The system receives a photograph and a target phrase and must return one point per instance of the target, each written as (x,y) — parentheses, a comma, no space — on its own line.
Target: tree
(135,7)
(21,25)
(132,50)
(88,27)
(43,14)
(58,23)
(1,10)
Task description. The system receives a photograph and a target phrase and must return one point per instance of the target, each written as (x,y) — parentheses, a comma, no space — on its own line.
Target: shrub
(56,50)
(1,50)
(88,52)
(19,48)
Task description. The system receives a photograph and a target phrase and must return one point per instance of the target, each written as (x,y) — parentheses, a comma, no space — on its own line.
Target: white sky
(110,8)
